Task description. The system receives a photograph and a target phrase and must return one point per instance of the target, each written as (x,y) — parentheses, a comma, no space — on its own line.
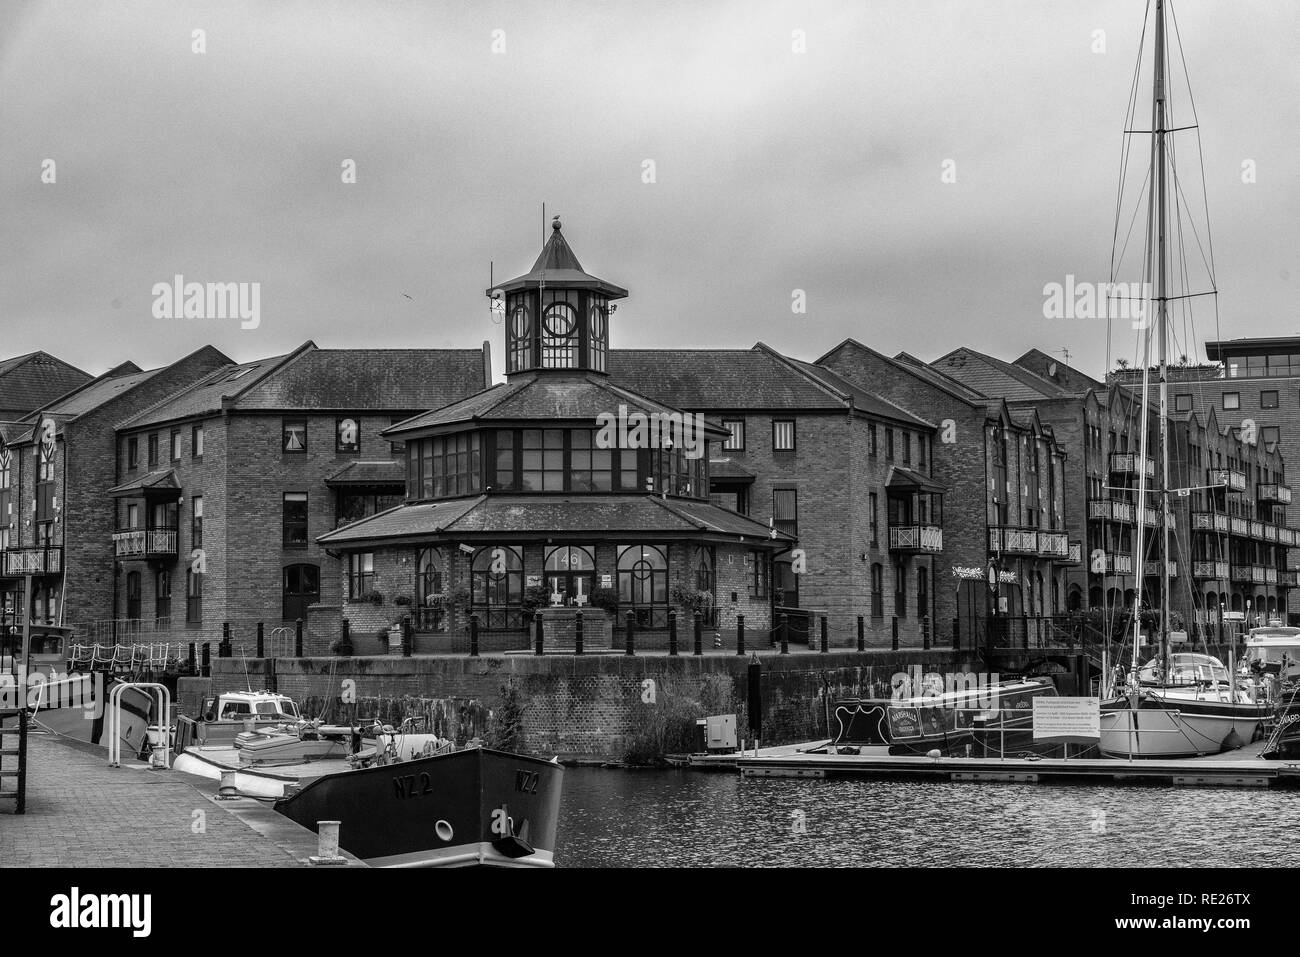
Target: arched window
(1236,601)
(428,586)
(193,596)
(877,591)
(163,597)
(497,585)
(301,590)
(643,582)
(133,600)
(570,573)
(705,576)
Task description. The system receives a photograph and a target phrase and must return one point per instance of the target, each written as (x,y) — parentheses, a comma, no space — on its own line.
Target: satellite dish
(1051,370)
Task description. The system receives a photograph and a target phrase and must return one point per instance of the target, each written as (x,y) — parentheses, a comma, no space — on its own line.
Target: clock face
(560,320)
(519,322)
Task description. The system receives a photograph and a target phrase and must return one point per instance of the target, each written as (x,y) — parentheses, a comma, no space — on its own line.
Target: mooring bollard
(862,634)
(539,634)
(631,634)
(473,636)
(261,641)
(925,632)
(227,790)
(327,845)
(193,658)
(207,661)
(894,640)
(672,633)
(577,634)
(740,634)
(783,631)
(408,636)
(297,639)
(699,635)
(825,640)
(956,634)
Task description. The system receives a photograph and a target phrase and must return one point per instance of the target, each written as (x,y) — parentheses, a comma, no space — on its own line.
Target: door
(301,589)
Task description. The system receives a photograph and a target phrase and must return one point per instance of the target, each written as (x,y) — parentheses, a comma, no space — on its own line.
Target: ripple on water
(691,819)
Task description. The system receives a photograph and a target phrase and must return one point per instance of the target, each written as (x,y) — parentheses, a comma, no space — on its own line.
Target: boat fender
(209,716)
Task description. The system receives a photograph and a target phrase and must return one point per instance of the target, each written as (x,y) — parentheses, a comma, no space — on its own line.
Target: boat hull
(1173,728)
(75,706)
(473,807)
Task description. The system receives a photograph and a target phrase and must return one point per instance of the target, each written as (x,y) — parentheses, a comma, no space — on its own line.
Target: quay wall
(606,706)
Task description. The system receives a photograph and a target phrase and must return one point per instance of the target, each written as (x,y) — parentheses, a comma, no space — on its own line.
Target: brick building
(1006,544)
(56,468)
(841,469)
(518,497)
(222,489)
(30,381)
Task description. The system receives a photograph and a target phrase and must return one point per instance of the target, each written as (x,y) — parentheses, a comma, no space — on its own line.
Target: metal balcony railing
(1274,492)
(145,543)
(1211,569)
(915,538)
(1127,463)
(1232,479)
(33,560)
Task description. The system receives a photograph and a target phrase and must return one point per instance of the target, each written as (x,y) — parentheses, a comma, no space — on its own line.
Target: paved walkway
(82,813)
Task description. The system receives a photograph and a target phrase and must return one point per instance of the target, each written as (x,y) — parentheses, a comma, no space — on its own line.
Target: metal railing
(918,537)
(144,542)
(32,560)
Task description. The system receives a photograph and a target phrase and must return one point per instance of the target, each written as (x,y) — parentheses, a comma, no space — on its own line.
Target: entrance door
(301,589)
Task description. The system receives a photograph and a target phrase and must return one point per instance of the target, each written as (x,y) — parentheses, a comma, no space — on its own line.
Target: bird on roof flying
(408,297)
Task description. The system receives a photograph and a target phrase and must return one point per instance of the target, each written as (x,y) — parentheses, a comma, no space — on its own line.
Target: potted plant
(535,596)
(606,599)
(691,599)
(342,646)
(403,600)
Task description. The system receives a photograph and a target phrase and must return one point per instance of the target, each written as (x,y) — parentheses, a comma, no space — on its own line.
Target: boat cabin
(239,705)
(1274,649)
(1185,668)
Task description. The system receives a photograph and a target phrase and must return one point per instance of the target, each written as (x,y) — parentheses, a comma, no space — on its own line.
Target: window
(176,445)
(643,581)
(301,591)
(874,505)
(1232,400)
(361,575)
(705,575)
(196,442)
(736,440)
(132,515)
(445,465)
(354,506)
(395,446)
(521,331)
(597,334)
(758,574)
(783,435)
(877,591)
(347,434)
(497,578)
(559,329)
(196,522)
(153,450)
(428,589)
(570,573)
(295,520)
(163,597)
(1268,399)
(193,596)
(132,453)
(900,590)
(907,448)
(922,449)
(543,460)
(785,510)
(889,444)
(294,438)
(871,438)
(1183,402)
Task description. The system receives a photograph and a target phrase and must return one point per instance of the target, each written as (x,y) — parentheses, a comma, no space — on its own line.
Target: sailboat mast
(1159,178)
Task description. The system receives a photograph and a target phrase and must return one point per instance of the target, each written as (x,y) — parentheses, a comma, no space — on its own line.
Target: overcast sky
(774,170)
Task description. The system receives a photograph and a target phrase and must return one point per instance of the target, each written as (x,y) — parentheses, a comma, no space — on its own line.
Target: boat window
(232,708)
(287,707)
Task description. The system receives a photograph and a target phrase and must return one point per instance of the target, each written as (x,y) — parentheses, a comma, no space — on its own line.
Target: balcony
(1112,510)
(145,543)
(1270,533)
(1289,578)
(1255,529)
(1240,573)
(1238,526)
(1152,569)
(1127,463)
(1270,575)
(915,538)
(1075,556)
(1151,517)
(1053,545)
(1232,479)
(1209,522)
(1285,536)
(32,560)
(1117,564)
(1013,540)
(1213,570)
(1272,492)
(1259,574)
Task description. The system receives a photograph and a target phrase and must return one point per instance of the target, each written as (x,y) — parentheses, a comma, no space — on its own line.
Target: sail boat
(1186,705)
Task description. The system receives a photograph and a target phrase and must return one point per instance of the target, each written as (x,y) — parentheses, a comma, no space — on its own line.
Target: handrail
(113,721)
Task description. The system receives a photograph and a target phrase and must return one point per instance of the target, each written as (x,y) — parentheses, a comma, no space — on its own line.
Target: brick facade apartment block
(222,489)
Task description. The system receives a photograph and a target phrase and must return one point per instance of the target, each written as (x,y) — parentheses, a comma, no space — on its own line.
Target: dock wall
(611,706)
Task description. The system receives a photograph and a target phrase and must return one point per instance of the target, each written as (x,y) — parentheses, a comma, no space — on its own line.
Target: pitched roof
(549,397)
(29,381)
(94,394)
(729,470)
(862,399)
(558,266)
(1068,377)
(996,378)
(389,472)
(900,477)
(207,395)
(163,480)
(913,367)
(558,514)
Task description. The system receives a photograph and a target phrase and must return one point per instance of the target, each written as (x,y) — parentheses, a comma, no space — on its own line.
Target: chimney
(487,364)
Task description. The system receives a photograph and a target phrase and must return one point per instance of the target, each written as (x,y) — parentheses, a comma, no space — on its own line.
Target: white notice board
(1067,719)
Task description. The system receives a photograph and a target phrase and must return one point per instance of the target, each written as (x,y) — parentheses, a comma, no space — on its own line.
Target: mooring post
(862,633)
(783,632)
(754,689)
(473,635)
(925,632)
(297,639)
(631,633)
(825,637)
(699,635)
(207,661)
(223,650)
(894,628)
(577,634)
(261,640)
(346,632)
(408,636)
(539,634)
(193,662)
(740,634)
(672,632)
(956,634)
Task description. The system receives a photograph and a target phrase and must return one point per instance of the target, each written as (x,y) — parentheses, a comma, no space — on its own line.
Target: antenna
(1064,352)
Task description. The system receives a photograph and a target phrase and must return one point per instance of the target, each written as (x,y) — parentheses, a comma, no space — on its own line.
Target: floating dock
(1240,768)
